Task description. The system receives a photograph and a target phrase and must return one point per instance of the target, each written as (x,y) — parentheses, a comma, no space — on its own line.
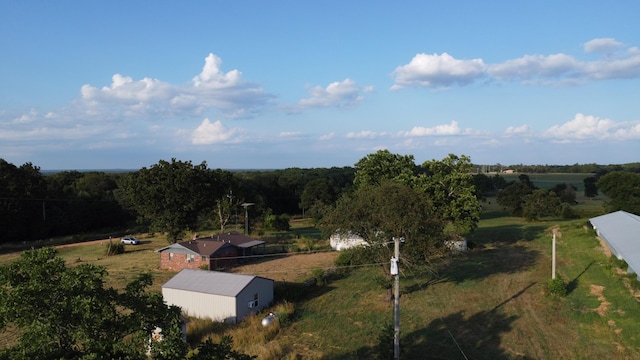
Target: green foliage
(208,350)
(113,248)
(557,286)
(590,187)
(567,212)
(318,191)
(355,256)
(449,184)
(374,169)
(623,190)
(392,209)
(512,197)
(276,222)
(540,203)
(67,312)
(171,195)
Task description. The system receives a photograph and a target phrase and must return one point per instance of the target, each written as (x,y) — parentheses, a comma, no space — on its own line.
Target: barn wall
(261,286)
(201,305)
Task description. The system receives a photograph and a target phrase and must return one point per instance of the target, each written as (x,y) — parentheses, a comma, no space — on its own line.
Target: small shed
(341,242)
(620,231)
(218,296)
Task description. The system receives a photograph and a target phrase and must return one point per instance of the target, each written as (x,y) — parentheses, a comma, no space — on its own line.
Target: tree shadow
(452,337)
(573,284)
(296,291)
(506,234)
(479,264)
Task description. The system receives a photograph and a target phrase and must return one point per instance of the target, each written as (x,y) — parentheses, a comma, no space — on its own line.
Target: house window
(190,257)
(171,256)
(255,300)
(204,258)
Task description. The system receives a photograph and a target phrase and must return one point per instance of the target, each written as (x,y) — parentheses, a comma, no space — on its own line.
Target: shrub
(557,286)
(114,248)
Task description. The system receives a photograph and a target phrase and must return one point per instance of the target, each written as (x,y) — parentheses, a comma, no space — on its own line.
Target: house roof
(620,230)
(236,239)
(196,247)
(208,246)
(210,282)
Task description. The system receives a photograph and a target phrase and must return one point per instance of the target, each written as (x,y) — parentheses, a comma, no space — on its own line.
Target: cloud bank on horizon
(233,121)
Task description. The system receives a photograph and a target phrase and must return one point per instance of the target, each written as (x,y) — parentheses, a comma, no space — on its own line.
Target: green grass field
(490,303)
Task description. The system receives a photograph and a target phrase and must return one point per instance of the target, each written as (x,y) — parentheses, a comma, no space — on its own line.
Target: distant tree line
(174,197)
(561,169)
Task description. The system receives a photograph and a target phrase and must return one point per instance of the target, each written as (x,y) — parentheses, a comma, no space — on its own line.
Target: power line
(453,338)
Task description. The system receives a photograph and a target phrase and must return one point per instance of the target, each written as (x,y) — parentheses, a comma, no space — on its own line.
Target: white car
(130,240)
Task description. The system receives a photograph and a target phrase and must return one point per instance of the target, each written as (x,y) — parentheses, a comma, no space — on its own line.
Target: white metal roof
(210,282)
(621,230)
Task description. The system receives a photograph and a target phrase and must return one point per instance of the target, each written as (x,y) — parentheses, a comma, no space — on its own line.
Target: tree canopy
(170,196)
(623,190)
(65,312)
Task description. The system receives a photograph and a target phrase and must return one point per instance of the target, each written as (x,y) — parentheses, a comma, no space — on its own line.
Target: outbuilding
(218,296)
(619,230)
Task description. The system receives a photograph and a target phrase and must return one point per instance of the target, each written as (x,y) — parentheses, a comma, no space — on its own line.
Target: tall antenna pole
(553,256)
(396,297)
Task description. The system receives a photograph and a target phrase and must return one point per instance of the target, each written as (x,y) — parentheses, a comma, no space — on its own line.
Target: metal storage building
(217,295)
(620,230)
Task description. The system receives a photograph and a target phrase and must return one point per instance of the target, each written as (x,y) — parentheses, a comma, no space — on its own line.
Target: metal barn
(217,295)
(620,231)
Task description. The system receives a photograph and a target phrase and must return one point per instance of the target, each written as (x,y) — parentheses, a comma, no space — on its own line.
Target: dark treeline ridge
(37,205)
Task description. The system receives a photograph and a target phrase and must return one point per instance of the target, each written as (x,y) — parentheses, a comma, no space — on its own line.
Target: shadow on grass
(452,337)
(479,264)
(573,284)
(506,234)
(296,292)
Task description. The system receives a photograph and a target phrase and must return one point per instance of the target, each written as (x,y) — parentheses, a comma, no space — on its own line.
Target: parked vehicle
(130,240)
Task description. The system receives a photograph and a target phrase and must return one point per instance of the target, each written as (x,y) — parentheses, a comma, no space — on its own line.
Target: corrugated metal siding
(620,231)
(211,282)
(201,305)
(216,295)
(261,286)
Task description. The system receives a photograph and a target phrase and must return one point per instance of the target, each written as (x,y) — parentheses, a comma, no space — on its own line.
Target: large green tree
(623,190)
(383,165)
(513,196)
(170,196)
(449,184)
(22,193)
(540,203)
(63,312)
(380,212)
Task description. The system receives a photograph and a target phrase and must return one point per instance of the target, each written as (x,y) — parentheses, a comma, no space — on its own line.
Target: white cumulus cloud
(438,130)
(601,45)
(153,98)
(213,133)
(437,71)
(442,71)
(340,94)
(588,127)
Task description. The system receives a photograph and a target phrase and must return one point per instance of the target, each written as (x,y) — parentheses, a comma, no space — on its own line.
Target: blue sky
(267,85)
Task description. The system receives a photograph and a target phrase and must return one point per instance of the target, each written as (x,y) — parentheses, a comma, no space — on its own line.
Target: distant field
(547,181)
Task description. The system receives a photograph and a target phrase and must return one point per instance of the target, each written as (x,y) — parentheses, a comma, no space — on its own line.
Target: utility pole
(395,271)
(553,256)
(246,217)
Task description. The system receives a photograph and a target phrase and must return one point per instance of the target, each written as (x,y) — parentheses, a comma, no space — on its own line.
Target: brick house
(211,252)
